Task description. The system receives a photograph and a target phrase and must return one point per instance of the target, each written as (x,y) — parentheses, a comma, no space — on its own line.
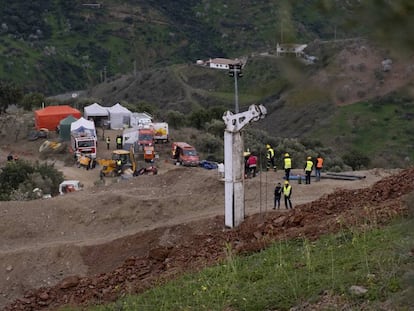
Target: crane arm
(235,122)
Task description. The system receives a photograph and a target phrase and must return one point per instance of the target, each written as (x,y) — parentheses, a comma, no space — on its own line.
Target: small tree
(32,100)
(356,160)
(175,119)
(9,94)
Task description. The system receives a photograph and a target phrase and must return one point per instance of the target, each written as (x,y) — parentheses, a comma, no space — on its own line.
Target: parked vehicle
(70,186)
(184,154)
(110,166)
(84,145)
(149,153)
(160,132)
(146,135)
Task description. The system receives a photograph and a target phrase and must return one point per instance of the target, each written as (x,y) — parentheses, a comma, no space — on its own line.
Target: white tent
(119,116)
(95,110)
(83,127)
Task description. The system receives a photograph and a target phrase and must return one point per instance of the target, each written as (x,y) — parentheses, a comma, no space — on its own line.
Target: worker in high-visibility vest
(108,141)
(119,142)
(119,166)
(287,165)
(270,156)
(287,193)
(308,170)
(318,167)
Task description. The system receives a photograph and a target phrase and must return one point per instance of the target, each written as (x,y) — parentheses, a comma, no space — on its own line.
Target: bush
(209,143)
(19,178)
(32,100)
(356,160)
(175,119)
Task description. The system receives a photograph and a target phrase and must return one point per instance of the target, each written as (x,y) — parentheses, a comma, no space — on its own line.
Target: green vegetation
(43,40)
(18,179)
(380,129)
(292,272)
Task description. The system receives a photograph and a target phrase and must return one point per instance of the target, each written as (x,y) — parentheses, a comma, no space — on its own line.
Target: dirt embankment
(126,236)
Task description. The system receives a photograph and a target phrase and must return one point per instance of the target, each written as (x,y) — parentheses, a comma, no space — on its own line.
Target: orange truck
(184,154)
(146,136)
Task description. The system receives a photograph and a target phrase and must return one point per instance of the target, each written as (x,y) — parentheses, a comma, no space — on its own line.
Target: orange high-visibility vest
(319,162)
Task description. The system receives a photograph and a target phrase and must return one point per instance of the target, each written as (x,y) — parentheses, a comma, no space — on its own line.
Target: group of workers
(286,190)
(118,142)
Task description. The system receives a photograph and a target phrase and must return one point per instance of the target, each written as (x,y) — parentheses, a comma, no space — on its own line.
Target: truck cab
(185,154)
(146,135)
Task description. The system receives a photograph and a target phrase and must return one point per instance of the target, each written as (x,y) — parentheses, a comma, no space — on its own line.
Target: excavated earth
(125,236)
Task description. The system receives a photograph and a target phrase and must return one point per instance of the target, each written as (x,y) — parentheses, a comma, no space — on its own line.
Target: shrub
(175,119)
(19,178)
(209,143)
(32,100)
(356,160)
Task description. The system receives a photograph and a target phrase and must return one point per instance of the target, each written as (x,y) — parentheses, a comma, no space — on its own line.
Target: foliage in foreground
(294,272)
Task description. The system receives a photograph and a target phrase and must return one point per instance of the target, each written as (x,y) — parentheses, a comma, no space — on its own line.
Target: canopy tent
(50,116)
(95,110)
(97,113)
(64,127)
(83,127)
(119,116)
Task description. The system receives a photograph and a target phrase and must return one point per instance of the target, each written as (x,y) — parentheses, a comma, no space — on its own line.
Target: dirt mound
(162,252)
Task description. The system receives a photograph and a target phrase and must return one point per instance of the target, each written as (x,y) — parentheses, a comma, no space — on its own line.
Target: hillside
(303,101)
(57,46)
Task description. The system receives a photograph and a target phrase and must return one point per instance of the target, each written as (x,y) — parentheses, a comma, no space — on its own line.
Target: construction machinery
(149,153)
(122,161)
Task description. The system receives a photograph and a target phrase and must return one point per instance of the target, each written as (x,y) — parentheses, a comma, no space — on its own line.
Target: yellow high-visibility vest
(270,153)
(288,163)
(286,190)
(309,165)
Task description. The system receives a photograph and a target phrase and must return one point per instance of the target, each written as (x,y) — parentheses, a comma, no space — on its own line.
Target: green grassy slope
(298,272)
(382,130)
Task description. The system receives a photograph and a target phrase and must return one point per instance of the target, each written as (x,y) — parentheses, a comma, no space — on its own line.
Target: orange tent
(50,116)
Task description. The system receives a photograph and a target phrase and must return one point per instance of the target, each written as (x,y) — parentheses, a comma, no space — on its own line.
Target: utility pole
(234,162)
(235,70)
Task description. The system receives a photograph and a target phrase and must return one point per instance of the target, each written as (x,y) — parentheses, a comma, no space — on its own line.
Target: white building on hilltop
(286,48)
(223,63)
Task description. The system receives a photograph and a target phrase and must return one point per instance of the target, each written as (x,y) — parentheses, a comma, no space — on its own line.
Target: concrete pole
(233,176)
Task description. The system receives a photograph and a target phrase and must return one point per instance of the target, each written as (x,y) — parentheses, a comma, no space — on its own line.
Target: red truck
(185,154)
(146,136)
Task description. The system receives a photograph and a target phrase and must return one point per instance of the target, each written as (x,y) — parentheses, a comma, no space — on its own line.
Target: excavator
(111,168)
(128,165)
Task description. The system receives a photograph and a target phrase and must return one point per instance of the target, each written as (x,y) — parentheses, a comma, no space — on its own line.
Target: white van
(70,186)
